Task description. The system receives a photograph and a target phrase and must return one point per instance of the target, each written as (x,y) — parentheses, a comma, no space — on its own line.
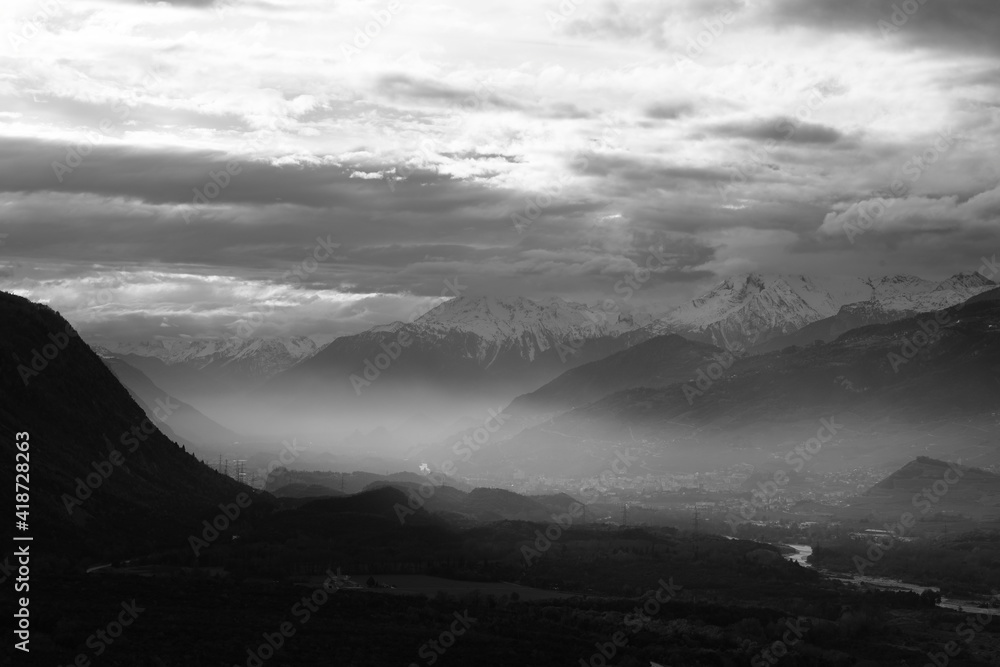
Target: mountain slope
(182,419)
(889,303)
(658,362)
(943,394)
(77,412)
(198,369)
(455,360)
(971,492)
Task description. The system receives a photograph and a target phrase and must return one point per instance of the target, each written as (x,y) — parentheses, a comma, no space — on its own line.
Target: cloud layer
(184,158)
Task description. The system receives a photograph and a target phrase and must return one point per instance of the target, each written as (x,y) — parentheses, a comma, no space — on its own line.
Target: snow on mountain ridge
(497,318)
(747,309)
(265,356)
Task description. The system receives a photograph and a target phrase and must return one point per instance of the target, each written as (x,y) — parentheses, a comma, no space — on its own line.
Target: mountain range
(748,311)
(471,354)
(921,386)
(196,369)
(898,392)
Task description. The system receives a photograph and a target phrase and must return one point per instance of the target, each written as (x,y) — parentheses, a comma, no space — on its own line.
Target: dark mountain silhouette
(343,483)
(77,413)
(298,490)
(484,504)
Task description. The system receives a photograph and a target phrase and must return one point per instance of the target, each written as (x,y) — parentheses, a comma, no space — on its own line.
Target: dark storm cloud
(646,173)
(668,111)
(703,212)
(958,25)
(172,177)
(779,129)
(266,218)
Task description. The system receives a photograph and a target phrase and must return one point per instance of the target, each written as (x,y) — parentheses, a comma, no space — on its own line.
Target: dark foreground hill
(81,421)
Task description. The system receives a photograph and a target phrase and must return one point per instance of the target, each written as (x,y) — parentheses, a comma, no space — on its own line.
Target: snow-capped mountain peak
(967,280)
(746,309)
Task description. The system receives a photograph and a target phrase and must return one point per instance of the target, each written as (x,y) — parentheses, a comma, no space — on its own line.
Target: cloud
(415,153)
(779,129)
(646,172)
(916,215)
(955,25)
(142,304)
(669,111)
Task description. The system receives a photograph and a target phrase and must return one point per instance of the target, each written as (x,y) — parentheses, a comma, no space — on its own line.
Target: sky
(176,169)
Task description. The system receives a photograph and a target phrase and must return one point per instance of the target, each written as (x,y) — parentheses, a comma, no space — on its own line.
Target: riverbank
(801,556)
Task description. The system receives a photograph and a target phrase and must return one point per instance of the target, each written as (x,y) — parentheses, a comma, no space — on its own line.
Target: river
(801,556)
